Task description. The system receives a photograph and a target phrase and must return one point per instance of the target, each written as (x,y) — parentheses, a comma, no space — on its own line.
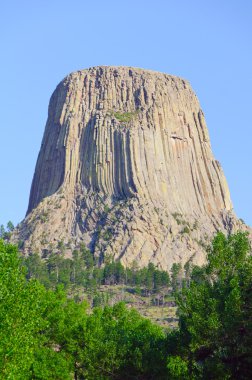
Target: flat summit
(126,167)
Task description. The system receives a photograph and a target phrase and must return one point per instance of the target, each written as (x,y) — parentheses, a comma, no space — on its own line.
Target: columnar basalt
(126,167)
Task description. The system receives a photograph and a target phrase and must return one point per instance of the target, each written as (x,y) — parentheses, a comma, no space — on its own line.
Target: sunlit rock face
(126,167)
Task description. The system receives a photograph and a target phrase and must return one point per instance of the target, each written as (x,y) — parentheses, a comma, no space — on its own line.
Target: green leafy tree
(6,233)
(10,226)
(54,266)
(119,343)
(165,278)
(87,257)
(78,269)
(177,368)
(36,268)
(176,277)
(215,334)
(22,309)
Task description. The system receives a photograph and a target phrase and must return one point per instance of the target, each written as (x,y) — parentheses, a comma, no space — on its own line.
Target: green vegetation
(46,333)
(185,230)
(5,233)
(124,117)
(106,209)
(214,340)
(180,221)
(177,216)
(82,271)
(44,216)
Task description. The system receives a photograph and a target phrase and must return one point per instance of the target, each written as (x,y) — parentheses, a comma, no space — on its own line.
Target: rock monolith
(126,168)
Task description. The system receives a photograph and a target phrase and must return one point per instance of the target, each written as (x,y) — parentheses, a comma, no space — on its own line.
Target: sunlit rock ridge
(126,167)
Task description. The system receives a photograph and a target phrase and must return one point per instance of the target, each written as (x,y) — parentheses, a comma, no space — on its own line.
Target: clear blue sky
(207,42)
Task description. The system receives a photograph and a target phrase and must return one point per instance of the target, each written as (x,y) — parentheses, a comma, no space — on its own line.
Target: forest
(46,332)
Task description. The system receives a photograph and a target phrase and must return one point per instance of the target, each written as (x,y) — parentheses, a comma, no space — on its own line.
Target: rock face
(126,167)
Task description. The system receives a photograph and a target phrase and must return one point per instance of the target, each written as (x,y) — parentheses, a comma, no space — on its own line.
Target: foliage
(119,343)
(83,271)
(177,368)
(176,277)
(44,334)
(5,233)
(185,230)
(124,117)
(23,308)
(215,334)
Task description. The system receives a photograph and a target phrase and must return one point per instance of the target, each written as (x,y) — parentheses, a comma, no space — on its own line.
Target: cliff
(126,167)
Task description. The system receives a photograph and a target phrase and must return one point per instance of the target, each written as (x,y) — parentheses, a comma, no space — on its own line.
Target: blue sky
(207,42)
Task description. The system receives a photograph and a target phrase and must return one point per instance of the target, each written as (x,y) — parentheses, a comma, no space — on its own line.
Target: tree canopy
(45,334)
(214,340)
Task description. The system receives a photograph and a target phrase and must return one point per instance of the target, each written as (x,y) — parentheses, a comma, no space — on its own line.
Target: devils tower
(126,168)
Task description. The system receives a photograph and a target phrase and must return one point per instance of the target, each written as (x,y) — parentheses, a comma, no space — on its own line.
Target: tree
(165,279)
(78,269)
(2,231)
(157,280)
(6,233)
(119,343)
(177,368)
(87,256)
(176,277)
(22,308)
(54,266)
(36,268)
(46,335)
(10,226)
(215,334)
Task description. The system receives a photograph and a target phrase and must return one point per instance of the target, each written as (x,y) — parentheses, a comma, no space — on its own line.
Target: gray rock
(126,167)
